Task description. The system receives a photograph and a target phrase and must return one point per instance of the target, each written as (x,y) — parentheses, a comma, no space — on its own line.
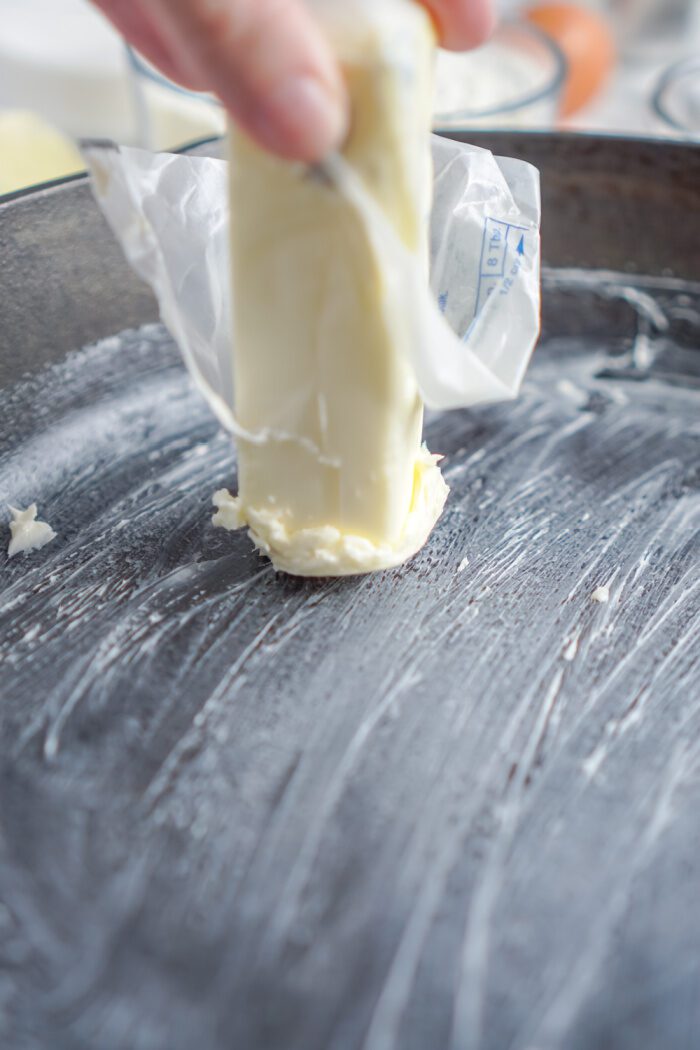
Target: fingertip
(299,119)
(463,24)
(304,118)
(273,69)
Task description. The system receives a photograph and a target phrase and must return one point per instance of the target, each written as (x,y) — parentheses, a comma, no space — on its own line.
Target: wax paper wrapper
(473,329)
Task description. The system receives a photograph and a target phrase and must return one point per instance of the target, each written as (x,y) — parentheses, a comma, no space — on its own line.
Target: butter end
(326,551)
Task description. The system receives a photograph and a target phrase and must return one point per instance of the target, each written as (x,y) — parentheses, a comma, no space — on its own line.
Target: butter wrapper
(472,330)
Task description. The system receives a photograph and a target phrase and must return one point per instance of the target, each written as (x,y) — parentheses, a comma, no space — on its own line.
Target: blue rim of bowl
(551,90)
(140,65)
(666,80)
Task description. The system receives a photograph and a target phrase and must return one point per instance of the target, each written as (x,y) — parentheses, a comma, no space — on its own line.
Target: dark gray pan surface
(426,809)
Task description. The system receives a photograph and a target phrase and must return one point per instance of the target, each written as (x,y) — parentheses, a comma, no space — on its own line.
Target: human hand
(267,60)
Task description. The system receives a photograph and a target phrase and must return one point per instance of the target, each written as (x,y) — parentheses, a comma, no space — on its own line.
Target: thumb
(267,61)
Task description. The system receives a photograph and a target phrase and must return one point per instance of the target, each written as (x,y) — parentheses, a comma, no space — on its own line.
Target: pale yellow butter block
(344,485)
(32,151)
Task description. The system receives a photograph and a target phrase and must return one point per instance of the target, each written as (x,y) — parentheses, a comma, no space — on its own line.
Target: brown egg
(587,42)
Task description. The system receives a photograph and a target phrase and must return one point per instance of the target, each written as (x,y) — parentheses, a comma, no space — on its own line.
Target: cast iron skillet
(453,805)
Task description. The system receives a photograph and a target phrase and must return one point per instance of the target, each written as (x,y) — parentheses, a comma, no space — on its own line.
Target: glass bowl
(169,116)
(676,99)
(516,80)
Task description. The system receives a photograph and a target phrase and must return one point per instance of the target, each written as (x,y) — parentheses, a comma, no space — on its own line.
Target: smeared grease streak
(452,805)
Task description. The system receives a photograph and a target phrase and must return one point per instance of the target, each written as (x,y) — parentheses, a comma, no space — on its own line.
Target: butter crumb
(228,511)
(28,534)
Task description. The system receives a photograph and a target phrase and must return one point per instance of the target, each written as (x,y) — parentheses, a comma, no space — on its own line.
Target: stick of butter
(341,484)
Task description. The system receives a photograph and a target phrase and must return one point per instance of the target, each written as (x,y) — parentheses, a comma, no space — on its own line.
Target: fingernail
(311,117)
